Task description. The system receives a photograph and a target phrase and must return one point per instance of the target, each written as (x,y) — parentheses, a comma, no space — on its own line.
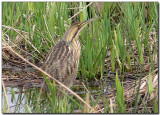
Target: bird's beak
(87,22)
(81,26)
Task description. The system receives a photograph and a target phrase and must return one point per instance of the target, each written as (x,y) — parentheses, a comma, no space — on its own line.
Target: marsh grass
(128,31)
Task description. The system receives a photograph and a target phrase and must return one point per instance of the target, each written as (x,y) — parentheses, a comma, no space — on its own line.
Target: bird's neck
(76,43)
(76,49)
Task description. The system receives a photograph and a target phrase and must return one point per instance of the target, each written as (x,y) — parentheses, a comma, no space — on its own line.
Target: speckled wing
(60,63)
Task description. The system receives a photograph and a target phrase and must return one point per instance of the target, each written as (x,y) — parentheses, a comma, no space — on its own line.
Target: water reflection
(19,97)
(16,101)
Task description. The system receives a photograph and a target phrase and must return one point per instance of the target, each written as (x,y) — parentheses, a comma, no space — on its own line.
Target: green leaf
(150,87)
(27,108)
(120,95)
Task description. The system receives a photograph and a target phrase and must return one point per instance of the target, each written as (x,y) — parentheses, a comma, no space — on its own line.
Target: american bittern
(63,59)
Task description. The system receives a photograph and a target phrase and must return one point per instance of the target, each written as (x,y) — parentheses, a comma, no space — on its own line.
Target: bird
(63,59)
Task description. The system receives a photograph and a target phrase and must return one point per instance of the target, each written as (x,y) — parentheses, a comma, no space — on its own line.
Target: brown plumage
(63,59)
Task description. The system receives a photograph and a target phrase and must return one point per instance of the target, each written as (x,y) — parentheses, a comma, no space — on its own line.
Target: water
(16,102)
(19,97)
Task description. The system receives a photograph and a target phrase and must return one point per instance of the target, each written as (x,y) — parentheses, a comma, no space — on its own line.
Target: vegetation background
(118,65)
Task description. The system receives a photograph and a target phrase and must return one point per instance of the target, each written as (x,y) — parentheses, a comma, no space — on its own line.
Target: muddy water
(16,102)
(27,81)
(22,96)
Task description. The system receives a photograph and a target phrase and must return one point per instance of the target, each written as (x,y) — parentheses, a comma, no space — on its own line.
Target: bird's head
(75,29)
